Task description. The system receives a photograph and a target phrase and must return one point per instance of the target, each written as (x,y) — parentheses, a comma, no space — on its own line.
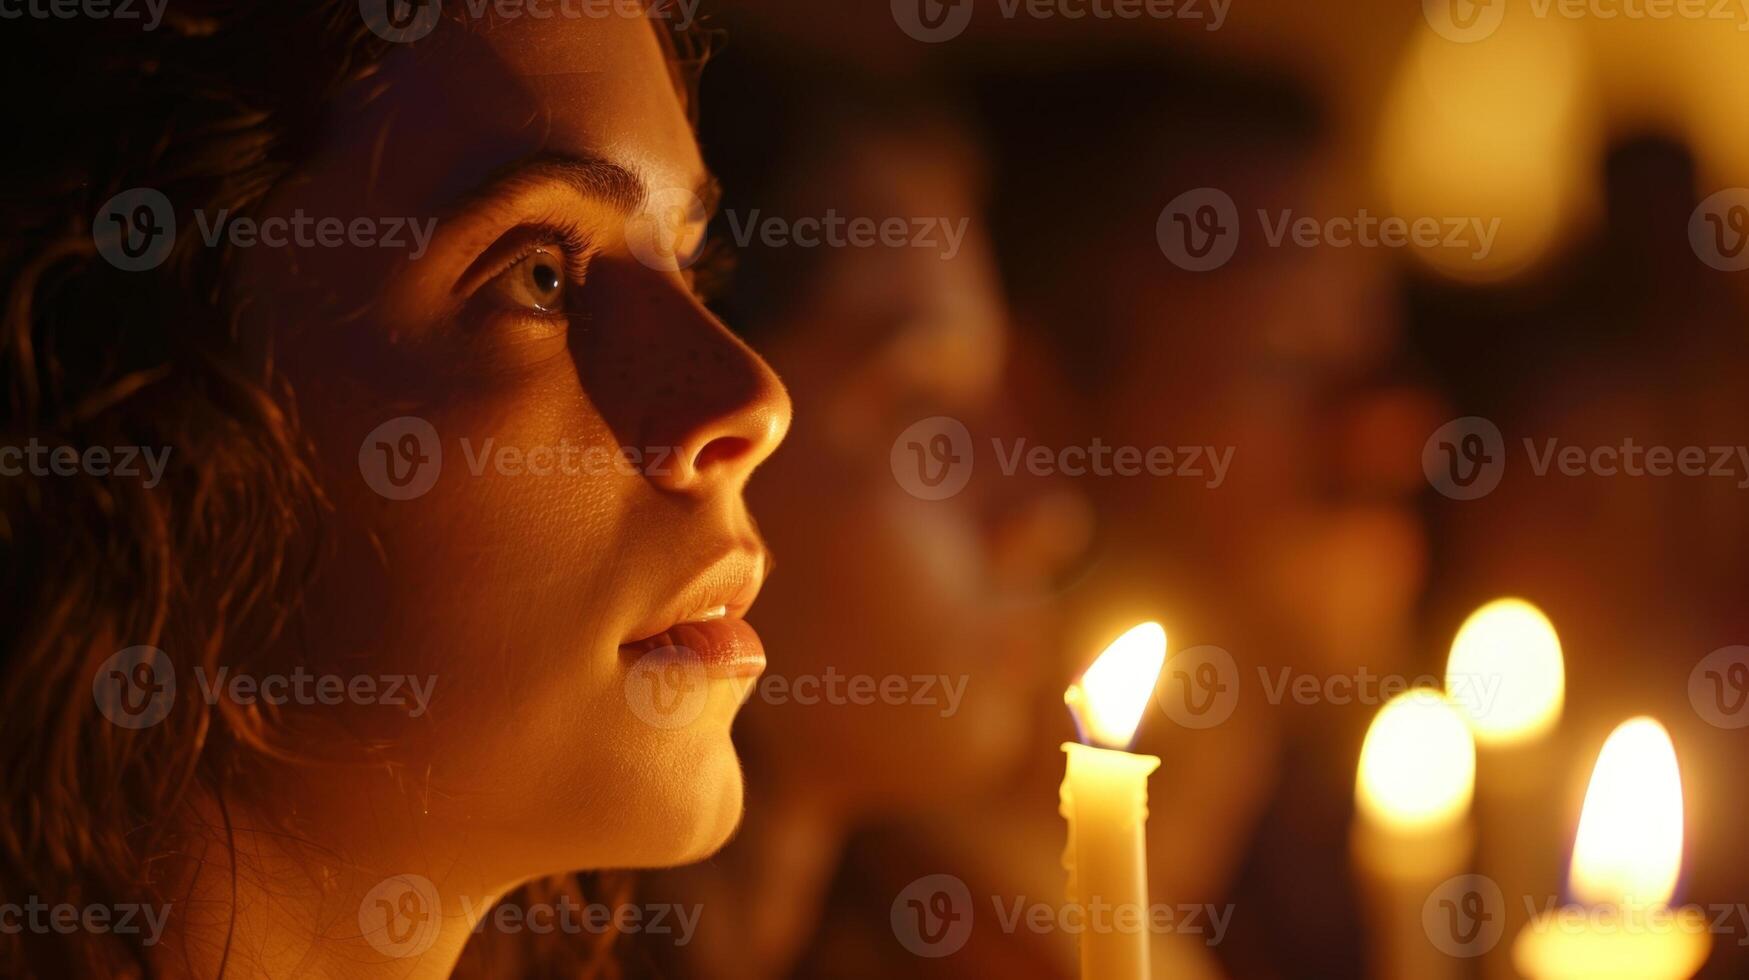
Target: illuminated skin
(513,593)
(874,584)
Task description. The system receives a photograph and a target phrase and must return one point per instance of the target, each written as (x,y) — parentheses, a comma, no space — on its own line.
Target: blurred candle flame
(1417,765)
(1629,847)
(1507,658)
(1111,695)
(1504,130)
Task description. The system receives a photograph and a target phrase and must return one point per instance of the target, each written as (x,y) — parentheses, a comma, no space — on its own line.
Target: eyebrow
(592,177)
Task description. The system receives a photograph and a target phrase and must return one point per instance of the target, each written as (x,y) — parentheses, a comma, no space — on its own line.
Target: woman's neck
(256,898)
(770,882)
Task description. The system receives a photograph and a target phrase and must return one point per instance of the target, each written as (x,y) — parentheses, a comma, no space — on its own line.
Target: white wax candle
(1507,674)
(1104,797)
(1412,830)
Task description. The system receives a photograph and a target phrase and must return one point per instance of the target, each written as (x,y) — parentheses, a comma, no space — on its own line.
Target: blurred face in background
(938,601)
(1308,543)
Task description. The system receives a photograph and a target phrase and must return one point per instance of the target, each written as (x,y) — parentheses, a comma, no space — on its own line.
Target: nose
(700,407)
(728,416)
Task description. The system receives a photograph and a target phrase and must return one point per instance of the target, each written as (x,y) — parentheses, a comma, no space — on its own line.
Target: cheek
(471,543)
(507,580)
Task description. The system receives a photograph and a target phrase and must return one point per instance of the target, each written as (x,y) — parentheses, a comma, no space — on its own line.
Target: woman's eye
(535,282)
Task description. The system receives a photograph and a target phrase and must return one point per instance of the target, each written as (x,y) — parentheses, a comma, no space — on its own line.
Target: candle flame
(1417,765)
(1111,695)
(1507,659)
(1503,129)
(1629,847)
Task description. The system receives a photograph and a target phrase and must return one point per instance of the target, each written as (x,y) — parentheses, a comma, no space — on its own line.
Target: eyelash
(707,277)
(576,248)
(572,244)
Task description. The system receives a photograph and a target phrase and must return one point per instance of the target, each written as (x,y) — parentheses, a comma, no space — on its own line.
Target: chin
(706,807)
(638,799)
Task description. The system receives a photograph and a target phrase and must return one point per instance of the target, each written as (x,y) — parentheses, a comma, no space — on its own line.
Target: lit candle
(1626,859)
(1507,675)
(1412,795)
(1105,799)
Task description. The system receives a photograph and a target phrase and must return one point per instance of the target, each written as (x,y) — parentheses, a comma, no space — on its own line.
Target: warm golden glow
(1111,695)
(1644,944)
(1417,765)
(1506,673)
(1497,131)
(1629,847)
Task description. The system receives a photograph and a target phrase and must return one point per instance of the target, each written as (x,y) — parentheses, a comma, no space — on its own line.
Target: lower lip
(726,647)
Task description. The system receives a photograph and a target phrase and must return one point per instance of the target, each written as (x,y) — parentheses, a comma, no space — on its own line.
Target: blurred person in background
(943,606)
(1642,575)
(1306,556)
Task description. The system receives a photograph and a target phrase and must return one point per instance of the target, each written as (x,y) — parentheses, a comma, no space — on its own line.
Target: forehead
(442,115)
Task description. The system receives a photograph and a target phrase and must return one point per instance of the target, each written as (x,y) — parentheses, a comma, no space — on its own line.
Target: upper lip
(725,588)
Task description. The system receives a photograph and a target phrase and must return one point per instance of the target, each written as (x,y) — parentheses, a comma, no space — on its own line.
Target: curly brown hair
(213,108)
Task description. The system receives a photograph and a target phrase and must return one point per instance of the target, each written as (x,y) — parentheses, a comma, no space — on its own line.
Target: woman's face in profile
(535,440)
